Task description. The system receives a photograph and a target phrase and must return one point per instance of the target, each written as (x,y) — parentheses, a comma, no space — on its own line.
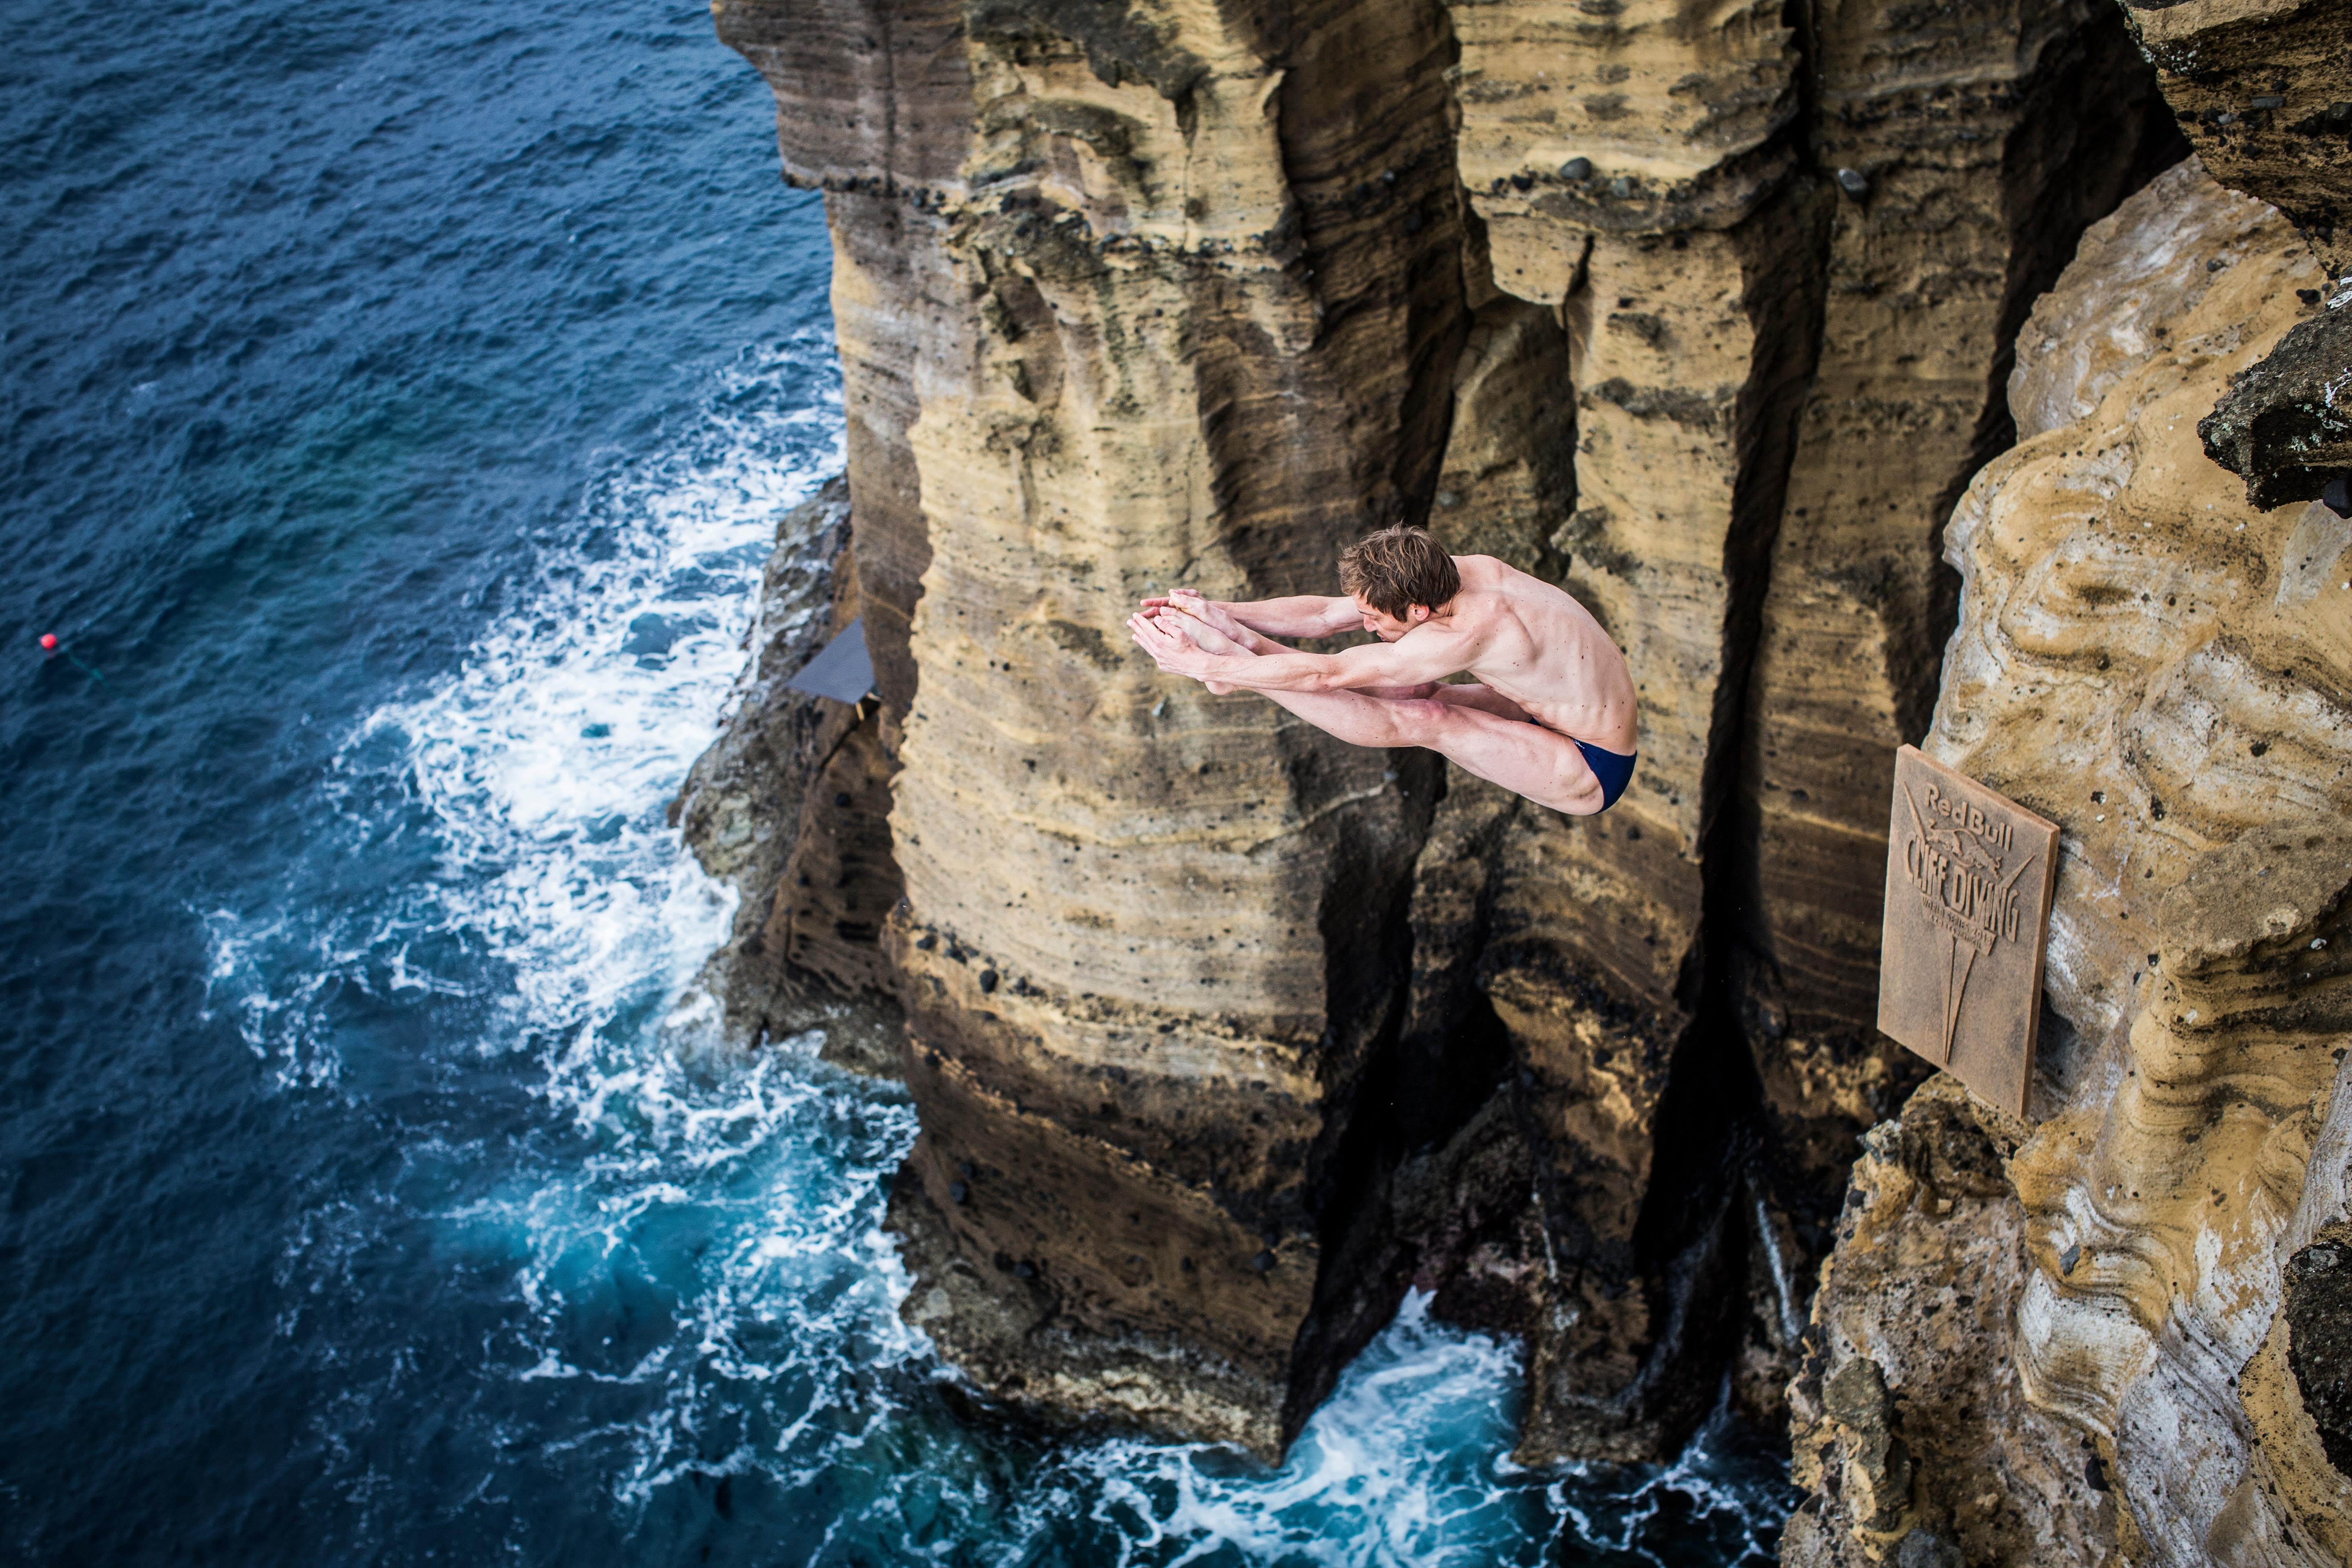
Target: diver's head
(1399,578)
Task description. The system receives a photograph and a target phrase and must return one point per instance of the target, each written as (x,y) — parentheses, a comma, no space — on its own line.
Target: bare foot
(1206,611)
(1209,629)
(1205,635)
(1150,626)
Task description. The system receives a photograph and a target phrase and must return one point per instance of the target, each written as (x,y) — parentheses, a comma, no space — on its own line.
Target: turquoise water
(400,402)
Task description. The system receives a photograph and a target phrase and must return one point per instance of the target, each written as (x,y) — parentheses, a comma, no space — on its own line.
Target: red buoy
(49,642)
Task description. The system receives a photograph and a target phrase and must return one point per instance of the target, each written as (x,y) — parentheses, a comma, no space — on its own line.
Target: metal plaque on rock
(1969,879)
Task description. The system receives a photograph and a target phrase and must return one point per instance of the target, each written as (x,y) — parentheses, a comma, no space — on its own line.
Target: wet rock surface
(2318,1312)
(2286,427)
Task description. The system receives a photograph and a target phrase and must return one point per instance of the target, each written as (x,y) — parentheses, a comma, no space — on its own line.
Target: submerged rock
(791,805)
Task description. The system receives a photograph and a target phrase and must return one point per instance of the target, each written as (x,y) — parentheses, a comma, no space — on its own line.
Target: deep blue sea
(399,400)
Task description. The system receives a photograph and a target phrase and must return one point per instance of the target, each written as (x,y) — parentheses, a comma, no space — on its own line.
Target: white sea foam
(545,763)
(544,766)
(558,899)
(1395,1459)
(540,769)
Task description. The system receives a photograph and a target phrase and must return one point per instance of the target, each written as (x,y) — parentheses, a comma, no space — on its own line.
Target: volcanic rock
(2162,669)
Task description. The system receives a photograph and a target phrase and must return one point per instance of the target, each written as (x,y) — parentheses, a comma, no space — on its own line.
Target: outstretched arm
(1300,616)
(1423,654)
(1187,610)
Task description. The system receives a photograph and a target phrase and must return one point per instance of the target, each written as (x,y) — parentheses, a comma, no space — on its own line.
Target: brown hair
(1398,568)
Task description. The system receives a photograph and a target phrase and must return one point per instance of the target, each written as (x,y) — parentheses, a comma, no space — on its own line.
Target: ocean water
(400,400)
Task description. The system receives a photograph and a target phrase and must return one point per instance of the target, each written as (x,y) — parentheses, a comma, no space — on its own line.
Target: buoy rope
(52,649)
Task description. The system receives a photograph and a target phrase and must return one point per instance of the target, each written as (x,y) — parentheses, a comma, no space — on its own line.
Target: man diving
(1551,714)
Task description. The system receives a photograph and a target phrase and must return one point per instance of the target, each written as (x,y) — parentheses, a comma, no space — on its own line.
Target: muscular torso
(1544,651)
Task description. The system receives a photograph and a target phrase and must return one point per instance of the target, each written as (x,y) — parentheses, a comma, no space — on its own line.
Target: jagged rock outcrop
(2259,89)
(2089,1340)
(1220,1032)
(2286,425)
(790,805)
(1914,1312)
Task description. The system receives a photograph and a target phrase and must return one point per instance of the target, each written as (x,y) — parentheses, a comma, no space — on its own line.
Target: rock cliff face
(2075,1341)
(1221,1032)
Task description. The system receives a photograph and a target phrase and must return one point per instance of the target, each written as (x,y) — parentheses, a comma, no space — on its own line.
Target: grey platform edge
(844,671)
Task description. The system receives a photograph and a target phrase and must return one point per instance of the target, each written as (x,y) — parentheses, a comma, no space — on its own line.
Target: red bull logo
(1955,860)
(1969,877)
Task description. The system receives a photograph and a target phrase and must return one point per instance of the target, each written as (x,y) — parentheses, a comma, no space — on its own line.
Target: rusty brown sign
(1968,879)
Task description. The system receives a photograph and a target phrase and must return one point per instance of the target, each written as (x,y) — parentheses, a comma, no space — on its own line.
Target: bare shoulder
(1497,590)
(1485,576)
(1484,571)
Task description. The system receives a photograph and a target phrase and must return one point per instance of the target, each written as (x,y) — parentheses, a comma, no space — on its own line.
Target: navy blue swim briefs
(1614,769)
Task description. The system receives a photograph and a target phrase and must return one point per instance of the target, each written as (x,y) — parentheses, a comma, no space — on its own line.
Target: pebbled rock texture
(2259,87)
(1920,1294)
(2318,1312)
(2164,670)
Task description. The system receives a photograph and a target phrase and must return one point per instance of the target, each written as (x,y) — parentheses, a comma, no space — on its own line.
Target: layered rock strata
(1966,170)
(1199,267)
(2087,1332)
(1220,1032)
(1677,198)
(1642,178)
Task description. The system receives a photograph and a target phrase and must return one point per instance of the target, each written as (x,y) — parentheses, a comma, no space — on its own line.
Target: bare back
(1540,647)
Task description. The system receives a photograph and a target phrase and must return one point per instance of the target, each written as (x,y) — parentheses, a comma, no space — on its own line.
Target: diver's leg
(1525,758)
(1354,717)
(1358,717)
(1469,694)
